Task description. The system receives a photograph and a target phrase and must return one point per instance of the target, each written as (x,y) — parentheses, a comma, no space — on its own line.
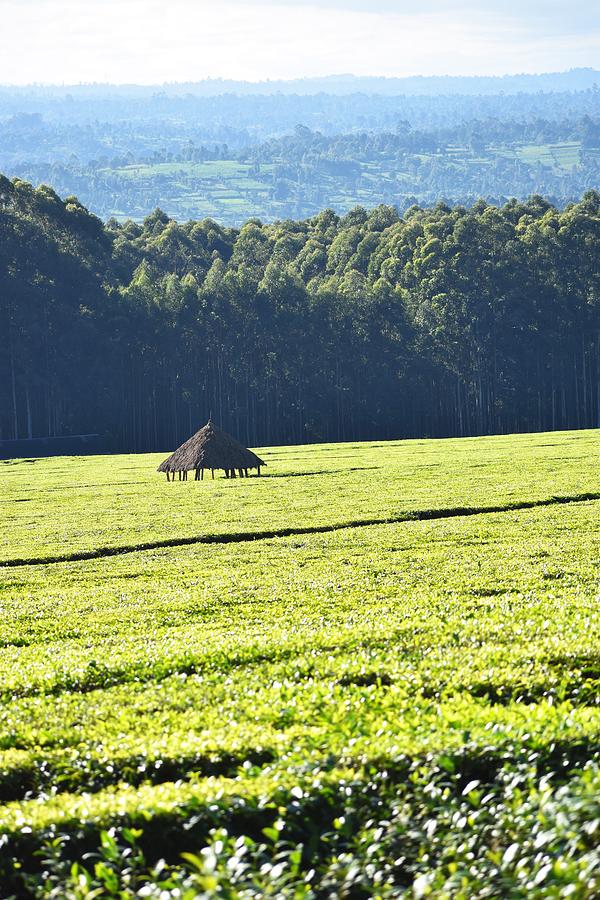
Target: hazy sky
(152,41)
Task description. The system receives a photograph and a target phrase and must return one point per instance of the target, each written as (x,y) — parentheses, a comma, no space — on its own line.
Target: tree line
(444,321)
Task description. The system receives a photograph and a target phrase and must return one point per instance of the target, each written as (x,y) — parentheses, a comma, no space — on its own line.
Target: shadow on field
(422,515)
(18,462)
(322,472)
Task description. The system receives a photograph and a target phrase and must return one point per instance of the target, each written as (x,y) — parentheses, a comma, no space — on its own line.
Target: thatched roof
(210,448)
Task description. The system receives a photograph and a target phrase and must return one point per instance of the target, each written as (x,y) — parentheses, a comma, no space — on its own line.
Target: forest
(449,320)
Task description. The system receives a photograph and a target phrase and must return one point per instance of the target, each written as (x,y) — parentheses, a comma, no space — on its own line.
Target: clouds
(151,41)
(541,13)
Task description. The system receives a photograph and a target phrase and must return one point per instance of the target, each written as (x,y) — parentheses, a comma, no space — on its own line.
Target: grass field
(372,672)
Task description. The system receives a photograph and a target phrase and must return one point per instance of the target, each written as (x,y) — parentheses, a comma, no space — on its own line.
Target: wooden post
(202,474)
(167,474)
(258,467)
(213,473)
(246,472)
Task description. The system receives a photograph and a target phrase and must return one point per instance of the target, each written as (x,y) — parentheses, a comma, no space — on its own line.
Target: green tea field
(372,672)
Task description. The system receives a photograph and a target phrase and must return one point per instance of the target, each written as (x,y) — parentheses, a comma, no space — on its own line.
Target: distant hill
(415,85)
(300,173)
(286,149)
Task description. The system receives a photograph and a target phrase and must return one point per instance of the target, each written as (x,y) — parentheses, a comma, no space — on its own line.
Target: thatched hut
(210,448)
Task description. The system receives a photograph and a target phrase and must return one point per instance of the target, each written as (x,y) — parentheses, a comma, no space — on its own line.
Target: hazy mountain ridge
(412,85)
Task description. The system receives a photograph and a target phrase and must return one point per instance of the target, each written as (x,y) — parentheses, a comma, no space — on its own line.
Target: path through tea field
(373,672)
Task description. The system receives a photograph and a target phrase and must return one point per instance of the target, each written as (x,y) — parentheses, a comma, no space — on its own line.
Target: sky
(156,41)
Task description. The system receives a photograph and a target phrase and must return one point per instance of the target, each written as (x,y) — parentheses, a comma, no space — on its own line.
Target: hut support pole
(202,474)
(213,474)
(258,467)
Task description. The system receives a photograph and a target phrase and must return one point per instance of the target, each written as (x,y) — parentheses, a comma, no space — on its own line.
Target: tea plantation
(373,672)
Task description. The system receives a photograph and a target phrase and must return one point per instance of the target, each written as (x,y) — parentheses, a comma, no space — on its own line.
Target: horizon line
(222,79)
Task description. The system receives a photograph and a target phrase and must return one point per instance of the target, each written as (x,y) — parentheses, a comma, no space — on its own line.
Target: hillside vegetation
(302,173)
(277,150)
(445,321)
(371,672)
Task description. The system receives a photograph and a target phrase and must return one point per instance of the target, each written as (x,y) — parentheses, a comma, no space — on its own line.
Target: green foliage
(407,708)
(448,321)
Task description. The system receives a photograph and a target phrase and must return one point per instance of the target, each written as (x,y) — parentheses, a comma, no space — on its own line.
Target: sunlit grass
(158,685)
